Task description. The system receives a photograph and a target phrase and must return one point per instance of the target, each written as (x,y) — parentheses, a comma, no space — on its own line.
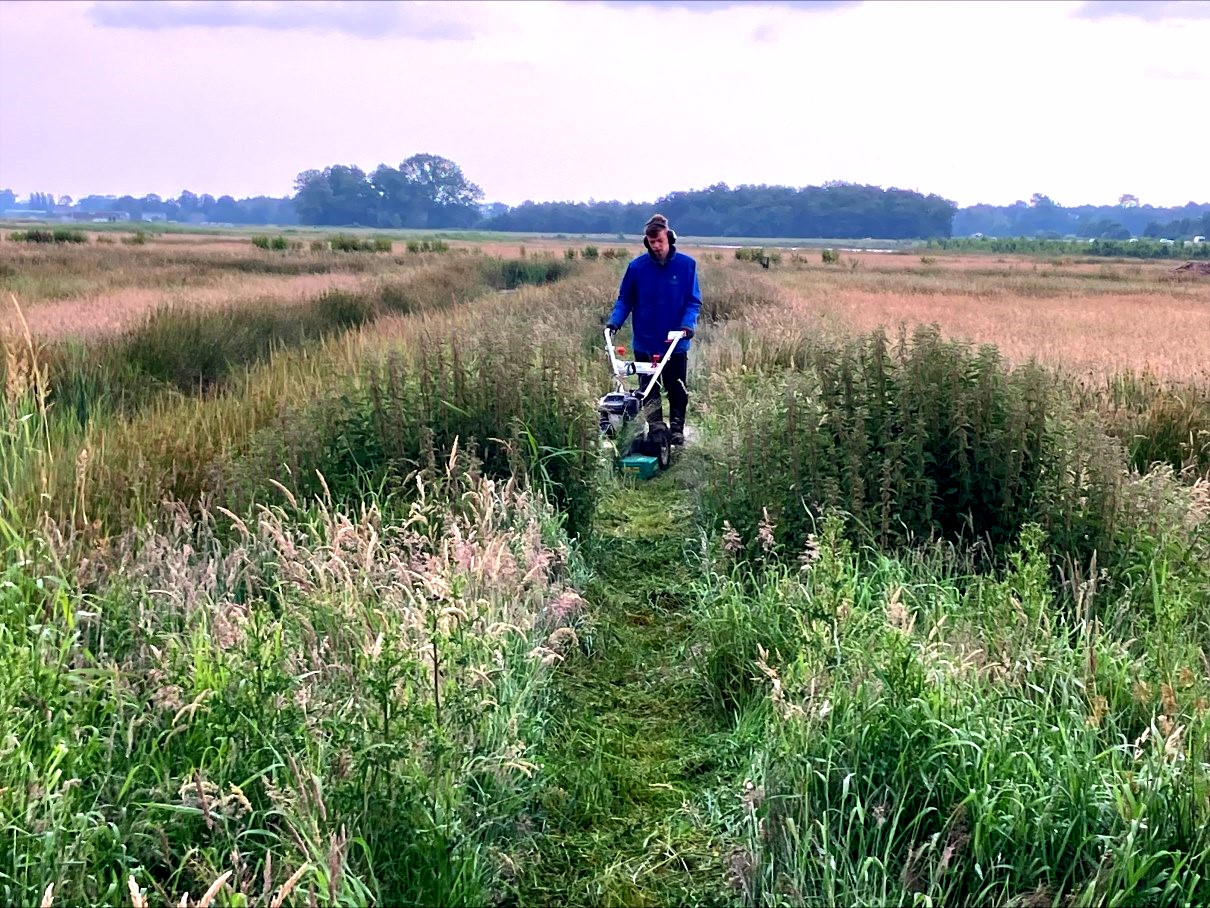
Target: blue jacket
(663,297)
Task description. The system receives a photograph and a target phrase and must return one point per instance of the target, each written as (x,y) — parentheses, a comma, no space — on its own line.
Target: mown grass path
(640,770)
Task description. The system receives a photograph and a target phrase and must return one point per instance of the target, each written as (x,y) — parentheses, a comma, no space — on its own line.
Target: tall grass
(25,431)
(340,702)
(193,351)
(1159,421)
(291,637)
(522,405)
(365,408)
(941,737)
(340,696)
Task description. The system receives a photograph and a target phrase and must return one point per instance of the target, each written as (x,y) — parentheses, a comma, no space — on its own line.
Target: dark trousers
(672,380)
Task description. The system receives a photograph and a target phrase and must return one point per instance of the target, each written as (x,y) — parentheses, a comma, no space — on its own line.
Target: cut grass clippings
(639,767)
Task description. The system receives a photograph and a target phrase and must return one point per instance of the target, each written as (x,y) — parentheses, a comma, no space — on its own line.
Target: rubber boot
(676,428)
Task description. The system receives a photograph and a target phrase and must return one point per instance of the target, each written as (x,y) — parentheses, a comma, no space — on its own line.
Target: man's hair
(655,224)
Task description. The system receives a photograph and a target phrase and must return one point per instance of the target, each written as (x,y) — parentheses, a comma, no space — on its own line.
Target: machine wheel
(659,446)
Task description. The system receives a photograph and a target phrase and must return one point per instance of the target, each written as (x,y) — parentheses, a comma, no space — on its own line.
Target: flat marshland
(1083,318)
(319,586)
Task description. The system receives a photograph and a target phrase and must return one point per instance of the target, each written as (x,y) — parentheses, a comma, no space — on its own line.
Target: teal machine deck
(639,466)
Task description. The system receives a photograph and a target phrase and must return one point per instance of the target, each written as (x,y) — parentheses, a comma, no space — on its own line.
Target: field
(319,586)
(1087,318)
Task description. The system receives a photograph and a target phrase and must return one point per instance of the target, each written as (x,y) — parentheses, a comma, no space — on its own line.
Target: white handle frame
(632,367)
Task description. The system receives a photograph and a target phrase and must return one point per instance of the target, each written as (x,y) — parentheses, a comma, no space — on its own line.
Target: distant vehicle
(976,236)
(1197,240)
(1166,242)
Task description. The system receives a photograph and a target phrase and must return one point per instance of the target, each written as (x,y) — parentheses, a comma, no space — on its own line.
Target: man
(660,288)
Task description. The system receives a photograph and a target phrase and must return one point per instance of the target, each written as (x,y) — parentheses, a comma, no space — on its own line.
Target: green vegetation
(344,242)
(759,255)
(637,765)
(931,732)
(340,602)
(428,246)
(58,235)
(360,747)
(1115,248)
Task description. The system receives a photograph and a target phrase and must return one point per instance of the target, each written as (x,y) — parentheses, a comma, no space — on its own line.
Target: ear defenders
(658,220)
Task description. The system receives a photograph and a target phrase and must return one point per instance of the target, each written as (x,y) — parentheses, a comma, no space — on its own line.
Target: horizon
(23,198)
(980,103)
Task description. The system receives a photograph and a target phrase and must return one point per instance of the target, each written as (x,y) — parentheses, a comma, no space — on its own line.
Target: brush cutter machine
(652,450)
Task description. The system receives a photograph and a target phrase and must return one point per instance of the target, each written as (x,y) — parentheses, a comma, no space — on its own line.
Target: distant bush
(428,246)
(58,235)
(512,273)
(343,242)
(758,254)
(569,254)
(382,244)
(319,245)
(138,238)
(590,252)
(830,256)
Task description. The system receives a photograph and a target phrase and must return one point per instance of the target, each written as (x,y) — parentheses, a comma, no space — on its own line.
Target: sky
(980,102)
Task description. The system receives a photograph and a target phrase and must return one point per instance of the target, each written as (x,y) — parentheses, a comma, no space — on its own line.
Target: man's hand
(675,335)
(687,332)
(612,328)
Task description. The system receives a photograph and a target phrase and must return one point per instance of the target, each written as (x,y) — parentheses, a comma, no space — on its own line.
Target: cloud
(712,6)
(359,18)
(1147,10)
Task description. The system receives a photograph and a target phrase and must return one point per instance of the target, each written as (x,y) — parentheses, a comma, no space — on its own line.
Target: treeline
(430,192)
(188,207)
(1181,228)
(427,191)
(1042,217)
(833,210)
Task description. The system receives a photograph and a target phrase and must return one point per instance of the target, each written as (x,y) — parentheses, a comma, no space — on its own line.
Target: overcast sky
(612,99)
